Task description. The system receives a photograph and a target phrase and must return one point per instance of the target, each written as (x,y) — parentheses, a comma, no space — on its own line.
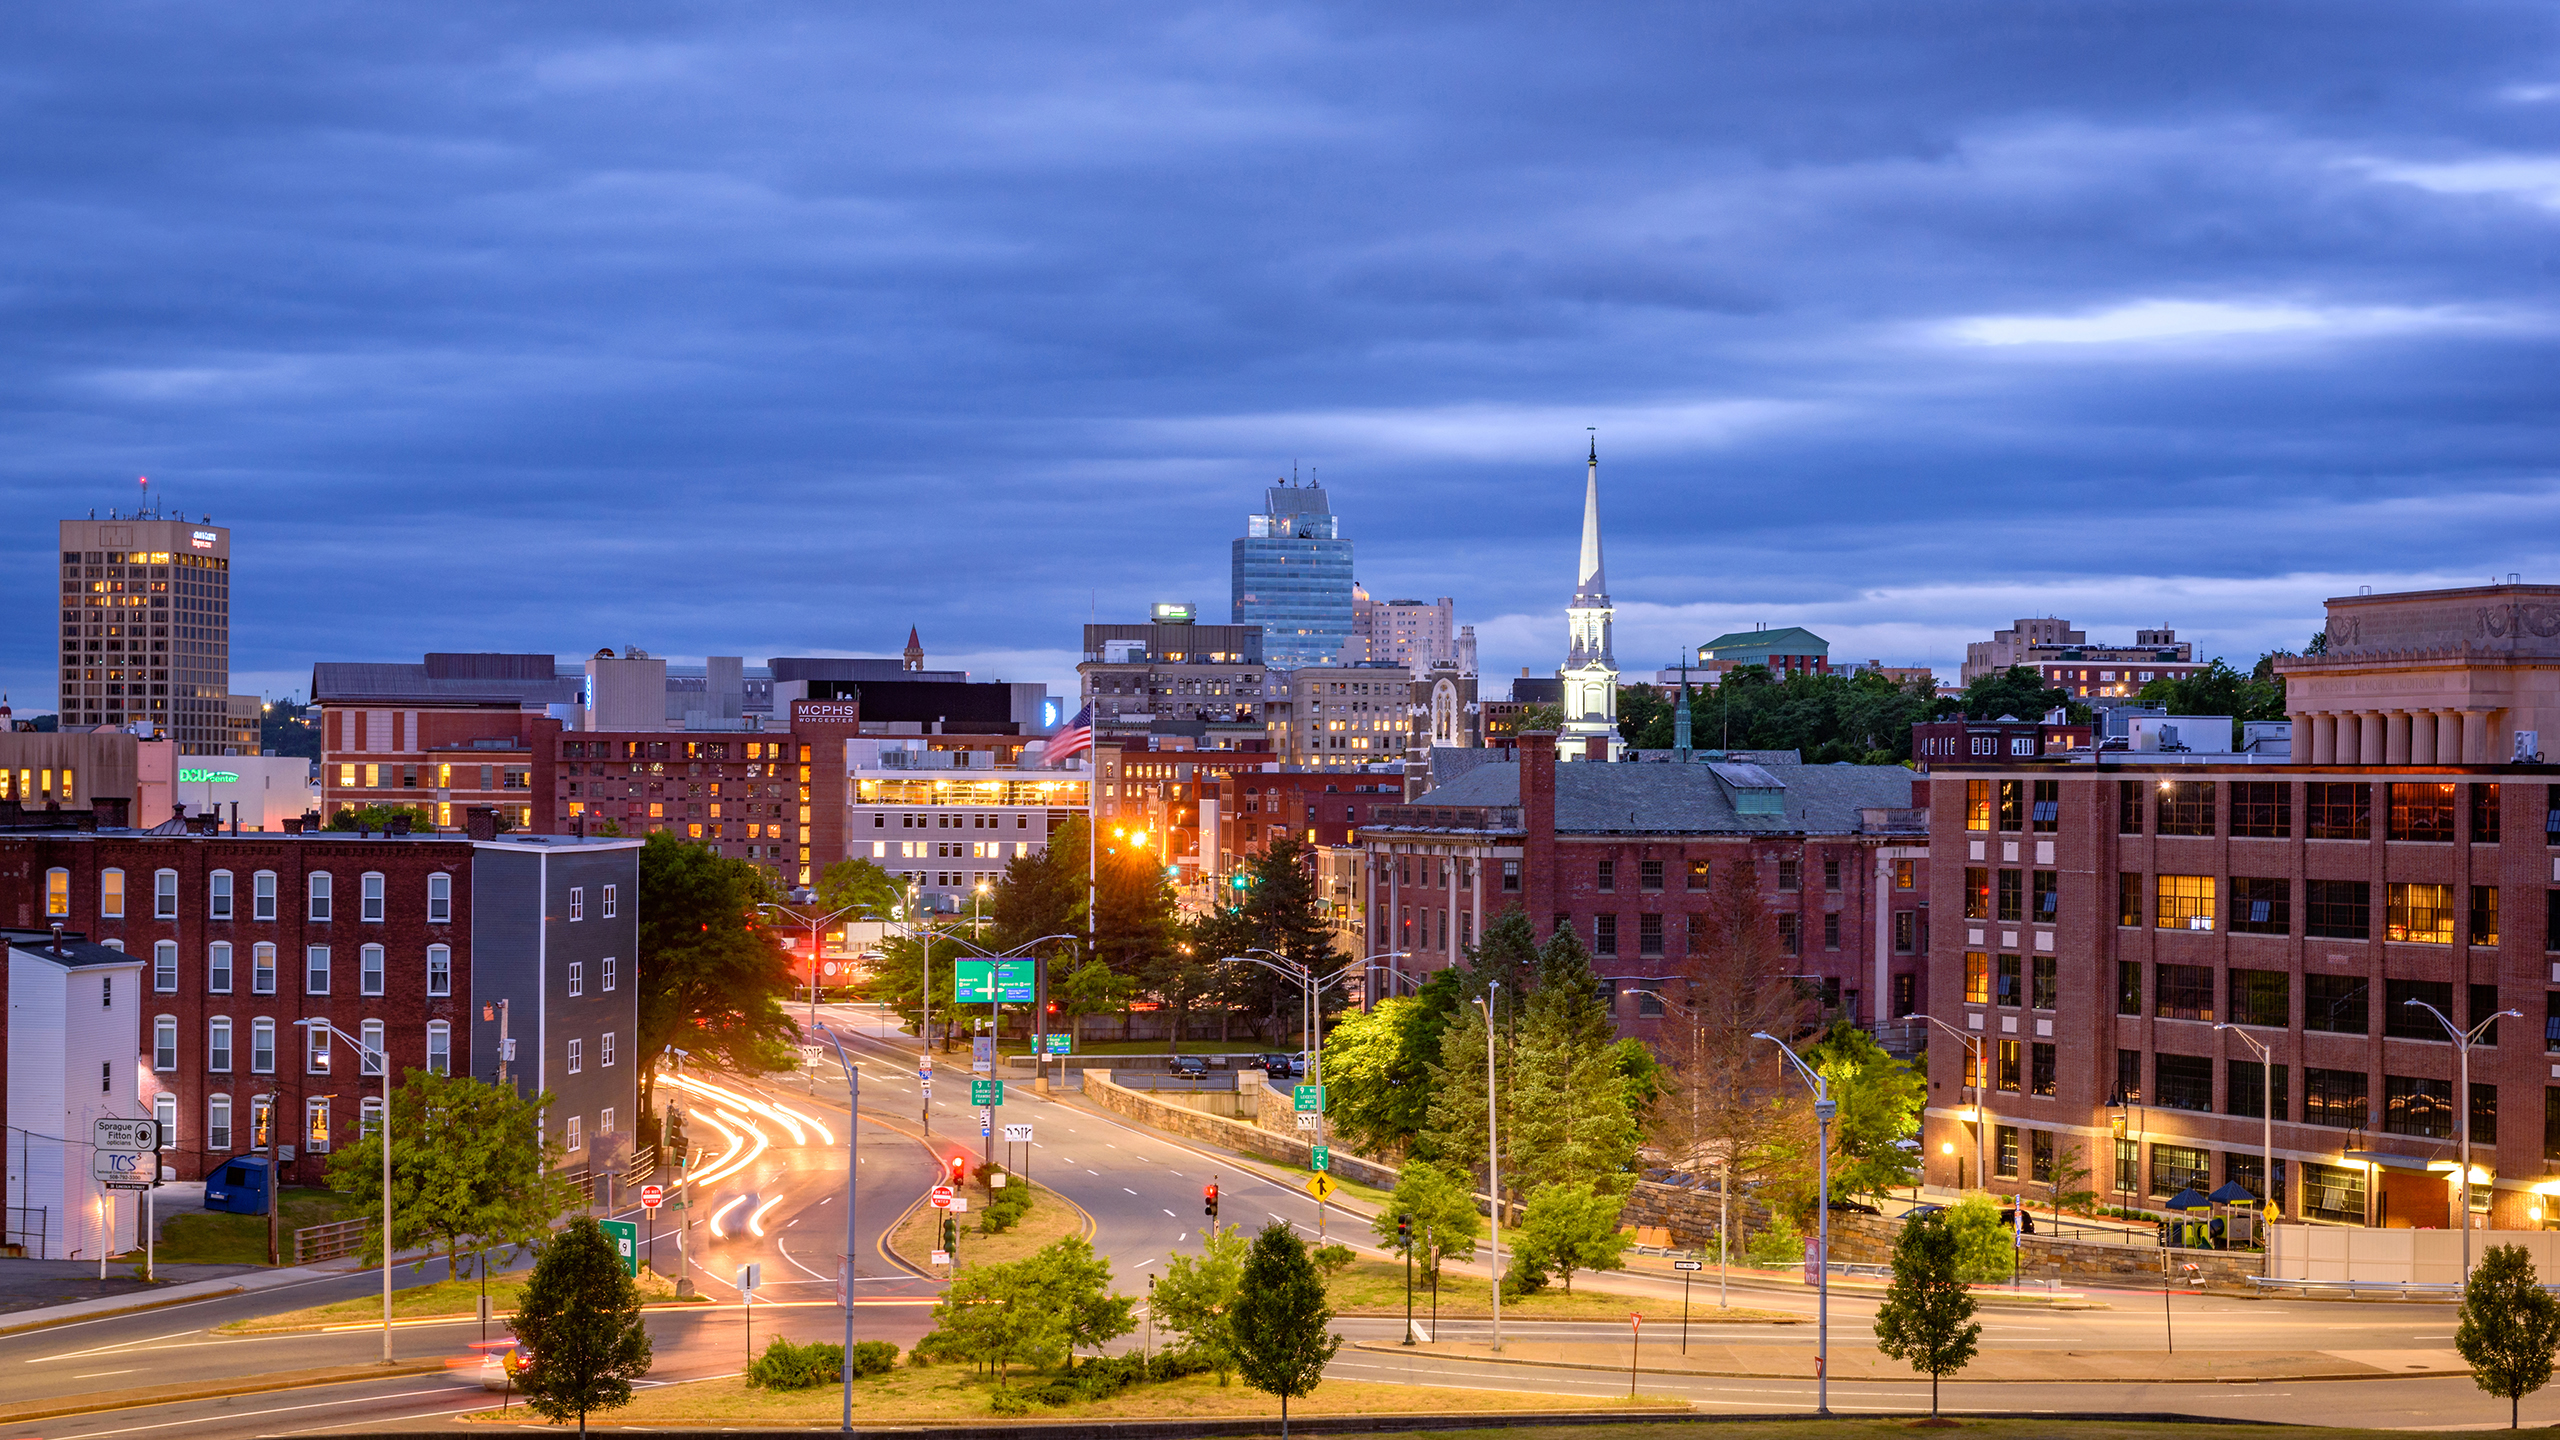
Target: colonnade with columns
(2396,735)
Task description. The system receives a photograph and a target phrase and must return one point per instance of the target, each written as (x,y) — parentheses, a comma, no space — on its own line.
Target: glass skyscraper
(1292,577)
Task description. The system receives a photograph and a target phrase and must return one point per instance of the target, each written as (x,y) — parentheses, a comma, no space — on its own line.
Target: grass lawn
(444,1297)
(213,1238)
(1901,1428)
(1375,1287)
(955,1392)
(1050,1218)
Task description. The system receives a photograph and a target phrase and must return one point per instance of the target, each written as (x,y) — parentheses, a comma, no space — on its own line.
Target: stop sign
(941,1197)
(650,1196)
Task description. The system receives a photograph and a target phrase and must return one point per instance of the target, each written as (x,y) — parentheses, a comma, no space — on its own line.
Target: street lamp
(1981,1083)
(1369,965)
(1824,1108)
(1310,1061)
(2267,1128)
(274,1197)
(803,896)
(2463,1040)
(1493,1162)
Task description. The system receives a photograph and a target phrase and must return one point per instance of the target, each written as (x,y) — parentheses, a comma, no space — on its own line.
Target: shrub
(785,1366)
(1331,1260)
(1780,1247)
(1010,1402)
(1176,1363)
(1527,1275)
(873,1357)
(1004,1206)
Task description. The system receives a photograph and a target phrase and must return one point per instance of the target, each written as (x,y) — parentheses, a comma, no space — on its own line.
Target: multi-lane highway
(770,1188)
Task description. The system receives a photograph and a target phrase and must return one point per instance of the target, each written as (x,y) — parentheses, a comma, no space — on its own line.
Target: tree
(1443,1212)
(1377,1066)
(1728,1108)
(1927,1315)
(1986,1249)
(580,1318)
(378,818)
(1644,717)
(1092,988)
(2068,1173)
(2218,689)
(2018,691)
(469,1168)
(869,891)
(1282,1345)
(1197,1297)
(711,978)
(1571,1118)
(1880,1100)
(2510,1325)
(1071,1282)
(1455,1130)
(994,1315)
(1565,1228)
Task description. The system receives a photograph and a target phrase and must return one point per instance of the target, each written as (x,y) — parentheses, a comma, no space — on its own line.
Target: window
(578,900)
(218,896)
(2413,1105)
(1648,934)
(315,1050)
(604,1051)
(2044,983)
(2128,1077)
(2040,1072)
(2338,909)
(577,1056)
(2183,992)
(1831,930)
(262,1047)
(2333,1192)
(2246,1094)
(439,1048)
(2404,1021)
(2007,1060)
(217,1123)
(262,969)
(2261,907)
(217,1045)
(110,893)
(439,970)
(2004,1151)
(1510,876)
(315,970)
(1830,872)
(106,992)
(2334,1098)
(1649,1003)
(262,895)
(2184,1082)
(612,893)
(2339,810)
(373,1048)
(1649,875)
(2336,1003)
(369,896)
(164,895)
(1604,934)
(2046,812)
(315,1126)
(1977,893)
(609,964)
(2484,1003)
(2186,807)
(2184,902)
(577,977)
(2178,1167)
(262,1121)
(1906,931)
(164,1042)
(369,970)
(1608,877)
(2013,896)
(2262,809)
(217,970)
(1790,935)
(2421,811)
(2418,912)
(164,1109)
(2484,814)
(2013,805)
(57,894)
(2008,978)
(1977,804)
(2128,807)
(2128,898)
(2128,987)
(2484,1116)
(439,899)
(2551,920)
(2551,1123)
(576,1140)
(1977,978)
(2484,914)
(2261,997)
(164,967)
(2128,1165)
(2048,897)
(320,888)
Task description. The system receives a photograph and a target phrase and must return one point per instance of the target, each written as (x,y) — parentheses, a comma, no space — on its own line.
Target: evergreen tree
(1570,1120)
(580,1318)
(2510,1325)
(1454,1134)
(1927,1315)
(1282,1345)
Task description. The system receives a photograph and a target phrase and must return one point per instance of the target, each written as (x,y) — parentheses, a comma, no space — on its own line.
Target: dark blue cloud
(777,329)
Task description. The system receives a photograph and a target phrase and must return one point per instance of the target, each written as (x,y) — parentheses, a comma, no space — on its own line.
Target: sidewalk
(160,1296)
(1659,1354)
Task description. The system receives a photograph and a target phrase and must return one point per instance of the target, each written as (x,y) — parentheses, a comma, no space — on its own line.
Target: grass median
(1050,1218)
(442,1300)
(1901,1426)
(1376,1287)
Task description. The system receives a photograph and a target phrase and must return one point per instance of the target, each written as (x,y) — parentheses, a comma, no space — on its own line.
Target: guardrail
(336,1240)
(2402,1288)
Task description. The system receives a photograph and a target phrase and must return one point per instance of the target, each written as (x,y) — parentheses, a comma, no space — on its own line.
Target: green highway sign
(625,1236)
(986,1092)
(973,982)
(1014,981)
(1062,1044)
(1322,1159)
(1310,1099)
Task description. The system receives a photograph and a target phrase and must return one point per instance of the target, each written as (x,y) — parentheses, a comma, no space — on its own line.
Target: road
(774,1180)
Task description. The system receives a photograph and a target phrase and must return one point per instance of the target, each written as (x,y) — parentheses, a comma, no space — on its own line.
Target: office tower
(146,629)
(1292,577)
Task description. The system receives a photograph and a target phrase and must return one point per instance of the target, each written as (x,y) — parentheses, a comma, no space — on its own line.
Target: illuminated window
(110,895)
(2419,912)
(1977,977)
(2183,902)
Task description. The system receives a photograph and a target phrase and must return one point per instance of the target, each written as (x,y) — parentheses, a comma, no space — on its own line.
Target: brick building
(2064,659)
(1625,853)
(774,797)
(408,940)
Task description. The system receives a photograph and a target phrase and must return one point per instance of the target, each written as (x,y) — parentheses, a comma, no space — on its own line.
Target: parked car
(1279,1064)
(1189,1067)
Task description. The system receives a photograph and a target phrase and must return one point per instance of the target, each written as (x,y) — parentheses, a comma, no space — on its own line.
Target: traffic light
(1404,1231)
(959,1170)
(950,1233)
(1209,1194)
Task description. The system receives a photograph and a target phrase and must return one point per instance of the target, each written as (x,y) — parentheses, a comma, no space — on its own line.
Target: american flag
(1074,739)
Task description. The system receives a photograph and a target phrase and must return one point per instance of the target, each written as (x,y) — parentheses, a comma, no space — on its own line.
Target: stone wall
(1288,1148)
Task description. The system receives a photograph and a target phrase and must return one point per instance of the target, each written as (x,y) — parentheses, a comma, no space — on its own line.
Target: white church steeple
(1590,669)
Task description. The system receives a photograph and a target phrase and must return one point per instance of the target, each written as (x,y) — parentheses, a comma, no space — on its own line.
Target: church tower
(1590,669)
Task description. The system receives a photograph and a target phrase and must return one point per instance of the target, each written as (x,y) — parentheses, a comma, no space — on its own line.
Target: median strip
(133,1397)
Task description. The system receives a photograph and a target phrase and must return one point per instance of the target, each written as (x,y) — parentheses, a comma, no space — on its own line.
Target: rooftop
(1739,798)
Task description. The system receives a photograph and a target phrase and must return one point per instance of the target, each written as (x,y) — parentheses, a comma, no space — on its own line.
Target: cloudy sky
(775,329)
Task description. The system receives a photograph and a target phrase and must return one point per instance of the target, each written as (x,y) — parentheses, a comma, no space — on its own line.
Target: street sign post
(973,982)
(1017,1134)
(626,1243)
(1321,1186)
(1320,1159)
(1686,1267)
(651,1197)
(111,1134)
(1014,982)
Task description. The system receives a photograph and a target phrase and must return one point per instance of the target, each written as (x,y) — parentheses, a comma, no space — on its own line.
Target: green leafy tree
(992,1316)
(2018,691)
(1092,988)
(1571,1116)
(898,980)
(1197,1297)
(1071,1282)
(1136,926)
(1545,715)
(1927,1315)
(1644,717)
(1377,1066)
(1281,1317)
(1569,1227)
(2069,1186)
(1880,1100)
(1444,1215)
(1779,1246)
(1986,1250)
(378,818)
(869,891)
(2510,1325)
(2218,689)
(711,978)
(580,1318)
(469,1169)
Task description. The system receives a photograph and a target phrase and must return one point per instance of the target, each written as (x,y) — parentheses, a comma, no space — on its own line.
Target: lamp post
(2463,1040)
(1981,1082)
(852,1128)
(1369,965)
(1824,1108)
(1310,1061)
(2267,1128)
(803,896)
(1493,1161)
(274,1192)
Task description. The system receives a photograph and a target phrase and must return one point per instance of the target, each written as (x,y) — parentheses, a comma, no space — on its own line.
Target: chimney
(1596,749)
(480,822)
(57,937)
(399,825)
(293,824)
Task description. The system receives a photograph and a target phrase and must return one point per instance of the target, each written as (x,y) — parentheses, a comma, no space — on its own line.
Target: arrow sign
(1017,1134)
(1321,1186)
(1322,1159)
(1688,1264)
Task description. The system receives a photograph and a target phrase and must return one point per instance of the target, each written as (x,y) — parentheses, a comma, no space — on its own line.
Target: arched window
(262,895)
(217,969)
(262,968)
(164,967)
(217,1123)
(262,1046)
(439,899)
(218,896)
(369,972)
(164,1108)
(57,895)
(370,889)
(374,1046)
(164,1042)
(110,895)
(369,1115)
(439,970)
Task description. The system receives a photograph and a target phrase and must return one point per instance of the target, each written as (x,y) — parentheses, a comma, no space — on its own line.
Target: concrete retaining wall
(1288,1148)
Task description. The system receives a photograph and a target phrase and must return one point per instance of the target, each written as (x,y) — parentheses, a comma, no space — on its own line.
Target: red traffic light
(959,1168)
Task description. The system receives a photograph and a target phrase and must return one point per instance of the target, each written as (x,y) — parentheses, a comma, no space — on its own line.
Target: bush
(1780,1247)
(1332,1259)
(1527,1275)
(1985,1252)
(873,1357)
(1177,1363)
(785,1366)
(1005,1206)
(1011,1402)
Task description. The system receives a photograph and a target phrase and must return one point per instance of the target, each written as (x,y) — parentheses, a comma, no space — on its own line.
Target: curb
(162,1303)
(1389,1347)
(404,1321)
(1084,1226)
(1382,1422)
(148,1395)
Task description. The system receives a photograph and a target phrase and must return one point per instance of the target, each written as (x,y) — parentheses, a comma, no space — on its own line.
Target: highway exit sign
(986,1092)
(1310,1098)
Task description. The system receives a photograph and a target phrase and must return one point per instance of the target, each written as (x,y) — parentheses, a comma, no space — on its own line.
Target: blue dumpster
(239,1187)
